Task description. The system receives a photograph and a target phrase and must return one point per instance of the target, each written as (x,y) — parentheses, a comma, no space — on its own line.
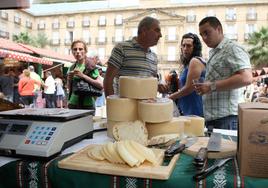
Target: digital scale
(42,132)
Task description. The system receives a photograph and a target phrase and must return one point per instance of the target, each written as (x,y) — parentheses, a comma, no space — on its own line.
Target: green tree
(258,51)
(41,40)
(23,37)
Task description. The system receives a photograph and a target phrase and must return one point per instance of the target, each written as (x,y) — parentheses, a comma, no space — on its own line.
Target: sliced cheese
(111,148)
(110,126)
(121,109)
(163,139)
(138,87)
(133,151)
(146,152)
(176,125)
(126,155)
(131,131)
(95,153)
(194,127)
(155,110)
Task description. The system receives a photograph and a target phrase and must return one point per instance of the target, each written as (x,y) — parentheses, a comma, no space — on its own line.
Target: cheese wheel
(121,109)
(138,87)
(194,127)
(155,110)
(175,126)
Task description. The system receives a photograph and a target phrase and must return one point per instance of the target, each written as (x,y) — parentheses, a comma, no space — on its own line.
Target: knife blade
(201,175)
(214,142)
(178,147)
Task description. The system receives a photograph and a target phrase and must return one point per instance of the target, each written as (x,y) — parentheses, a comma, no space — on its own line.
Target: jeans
(228,122)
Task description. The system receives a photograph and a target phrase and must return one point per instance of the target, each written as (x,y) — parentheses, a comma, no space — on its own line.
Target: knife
(178,147)
(206,172)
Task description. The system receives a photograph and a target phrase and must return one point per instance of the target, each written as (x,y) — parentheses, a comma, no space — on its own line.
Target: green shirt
(88,100)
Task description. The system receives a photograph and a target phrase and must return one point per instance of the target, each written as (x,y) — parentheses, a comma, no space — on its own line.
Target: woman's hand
(78,73)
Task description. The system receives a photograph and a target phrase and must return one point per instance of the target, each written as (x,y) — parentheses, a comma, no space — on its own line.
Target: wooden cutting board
(81,161)
(228,148)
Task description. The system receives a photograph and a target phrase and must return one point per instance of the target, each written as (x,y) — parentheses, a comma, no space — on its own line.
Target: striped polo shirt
(131,60)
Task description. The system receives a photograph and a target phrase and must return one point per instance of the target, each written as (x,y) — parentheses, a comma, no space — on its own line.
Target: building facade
(102,27)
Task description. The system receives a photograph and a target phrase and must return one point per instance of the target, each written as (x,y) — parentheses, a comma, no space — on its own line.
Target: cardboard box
(253,140)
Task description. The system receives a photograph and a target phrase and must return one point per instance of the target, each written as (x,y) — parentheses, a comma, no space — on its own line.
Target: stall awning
(23,57)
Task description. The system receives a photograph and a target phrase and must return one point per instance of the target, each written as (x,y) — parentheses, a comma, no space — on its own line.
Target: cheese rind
(138,87)
(175,126)
(155,110)
(194,127)
(121,109)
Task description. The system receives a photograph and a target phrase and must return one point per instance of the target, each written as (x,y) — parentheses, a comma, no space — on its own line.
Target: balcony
(4,15)
(56,25)
(191,18)
(17,20)
(29,24)
(230,17)
(171,38)
(41,26)
(251,16)
(70,24)
(102,23)
(55,42)
(101,41)
(231,36)
(4,34)
(117,39)
(67,41)
(85,23)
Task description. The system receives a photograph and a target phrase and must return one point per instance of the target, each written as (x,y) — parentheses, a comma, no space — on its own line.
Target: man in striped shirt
(134,57)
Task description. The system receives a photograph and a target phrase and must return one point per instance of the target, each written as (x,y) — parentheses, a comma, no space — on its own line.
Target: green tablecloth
(47,174)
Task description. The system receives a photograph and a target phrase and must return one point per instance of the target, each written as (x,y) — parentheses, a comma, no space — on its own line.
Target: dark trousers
(50,100)
(228,122)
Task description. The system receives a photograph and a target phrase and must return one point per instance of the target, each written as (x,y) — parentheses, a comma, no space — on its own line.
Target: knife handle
(175,148)
(201,155)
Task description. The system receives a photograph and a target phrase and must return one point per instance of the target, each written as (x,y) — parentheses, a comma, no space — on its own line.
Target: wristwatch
(213,86)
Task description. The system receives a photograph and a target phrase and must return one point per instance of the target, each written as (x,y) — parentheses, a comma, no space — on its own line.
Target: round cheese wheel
(121,109)
(138,87)
(155,110)
(175,126)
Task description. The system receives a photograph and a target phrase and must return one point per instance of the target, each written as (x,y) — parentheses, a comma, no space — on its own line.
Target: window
(118,20)
(17,18)
(86,36)
(41,24)
(230,14)
(4,15)
(67,51)
(102,21)
(28,23)
(251,15)
(56,24)
(171,53)
(69,36)
(86,22)
(102,36)
(172,33)
(231,31)
(101,53)
(70,23)
(118,35)
(249,29)
(55,38)
(191,17)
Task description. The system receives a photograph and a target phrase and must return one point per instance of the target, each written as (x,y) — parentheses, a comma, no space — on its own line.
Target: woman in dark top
(189,102)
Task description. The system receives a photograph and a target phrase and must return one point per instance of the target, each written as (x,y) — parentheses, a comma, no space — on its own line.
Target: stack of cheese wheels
(137,87)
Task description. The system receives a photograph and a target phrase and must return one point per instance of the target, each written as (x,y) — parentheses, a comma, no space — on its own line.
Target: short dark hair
(197,51)
(212,20)
(146,22)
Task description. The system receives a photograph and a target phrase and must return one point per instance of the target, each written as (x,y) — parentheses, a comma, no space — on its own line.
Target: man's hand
(202,88)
